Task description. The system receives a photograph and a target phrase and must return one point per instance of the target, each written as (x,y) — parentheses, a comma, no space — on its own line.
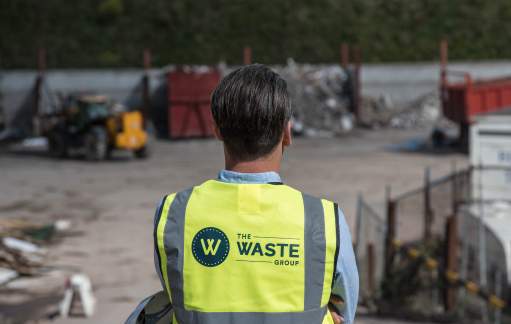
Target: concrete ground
(112,205)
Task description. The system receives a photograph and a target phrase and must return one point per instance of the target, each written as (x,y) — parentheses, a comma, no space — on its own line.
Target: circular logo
(210,247)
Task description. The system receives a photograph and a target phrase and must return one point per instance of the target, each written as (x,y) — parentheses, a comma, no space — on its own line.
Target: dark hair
(251,107)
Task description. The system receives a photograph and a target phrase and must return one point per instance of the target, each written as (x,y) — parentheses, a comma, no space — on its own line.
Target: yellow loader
(93,125)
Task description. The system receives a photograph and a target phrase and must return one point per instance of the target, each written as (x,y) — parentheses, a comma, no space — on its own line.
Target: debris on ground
(36,231)
(7,275)
(63,224)
(320,99)
(16,260)
(19,249)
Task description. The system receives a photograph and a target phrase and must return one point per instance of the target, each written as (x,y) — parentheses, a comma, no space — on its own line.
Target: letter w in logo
(210,248)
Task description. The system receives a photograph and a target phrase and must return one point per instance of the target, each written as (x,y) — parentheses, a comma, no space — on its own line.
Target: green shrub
(110,9)
(81,33)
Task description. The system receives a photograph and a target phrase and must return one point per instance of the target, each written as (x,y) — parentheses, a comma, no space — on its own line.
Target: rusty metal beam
(247,55)
(145,86)
(444,56)
(356,95)
(345,54)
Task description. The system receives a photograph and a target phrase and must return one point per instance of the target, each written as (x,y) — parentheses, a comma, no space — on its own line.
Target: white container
(490,148)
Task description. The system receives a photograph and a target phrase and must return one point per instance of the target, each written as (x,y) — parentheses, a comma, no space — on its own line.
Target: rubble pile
(424,112)
(376,112)
(319,97)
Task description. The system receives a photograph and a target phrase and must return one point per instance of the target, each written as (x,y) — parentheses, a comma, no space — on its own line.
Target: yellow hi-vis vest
(247,254)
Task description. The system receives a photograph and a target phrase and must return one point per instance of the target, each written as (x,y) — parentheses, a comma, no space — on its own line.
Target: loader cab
(85,110)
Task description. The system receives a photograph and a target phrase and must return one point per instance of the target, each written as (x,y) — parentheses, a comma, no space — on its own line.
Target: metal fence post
(464,265)
(359,226)
(498,292)
(370,267)
(482,245)
(451,236)
(391,227)
(434,293)
(454,189)
(427,207)
(465,246)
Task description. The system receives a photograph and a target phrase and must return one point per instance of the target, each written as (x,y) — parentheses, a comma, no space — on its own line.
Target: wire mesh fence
(422,213)
(420,219)
(371,233)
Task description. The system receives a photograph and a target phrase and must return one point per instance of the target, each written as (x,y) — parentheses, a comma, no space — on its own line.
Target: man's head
(251,108)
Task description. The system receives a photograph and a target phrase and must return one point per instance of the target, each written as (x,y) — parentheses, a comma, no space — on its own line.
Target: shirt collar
(247,178)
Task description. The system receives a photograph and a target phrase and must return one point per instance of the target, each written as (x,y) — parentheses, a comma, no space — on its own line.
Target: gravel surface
(112,206)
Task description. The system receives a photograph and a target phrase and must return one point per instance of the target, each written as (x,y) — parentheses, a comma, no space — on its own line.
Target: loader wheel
(145,150)
(57,146)
(110,148)
(142,152)
(96,144)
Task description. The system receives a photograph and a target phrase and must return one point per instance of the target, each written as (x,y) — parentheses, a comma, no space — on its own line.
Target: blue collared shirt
(346,276)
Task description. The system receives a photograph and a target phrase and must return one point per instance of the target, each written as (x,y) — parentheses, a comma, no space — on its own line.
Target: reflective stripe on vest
(247,253)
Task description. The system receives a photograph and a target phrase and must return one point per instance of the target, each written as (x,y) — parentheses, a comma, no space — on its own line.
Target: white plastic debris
(331,103)
(35,142)
(297,126)
(318,133)
(17,244)
(347,123)
(63,224)
(33,258)
(79,283)
(7,275)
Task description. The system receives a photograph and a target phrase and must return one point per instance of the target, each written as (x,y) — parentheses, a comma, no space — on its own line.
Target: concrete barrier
(123,86)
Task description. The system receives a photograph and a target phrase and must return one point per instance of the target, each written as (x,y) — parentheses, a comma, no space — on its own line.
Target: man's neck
(252,167)
(267,164)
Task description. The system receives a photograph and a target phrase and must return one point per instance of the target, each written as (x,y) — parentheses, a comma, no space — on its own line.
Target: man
(245,248)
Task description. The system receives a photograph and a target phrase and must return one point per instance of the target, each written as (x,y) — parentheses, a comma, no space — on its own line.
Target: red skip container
(189,93)
(465,99)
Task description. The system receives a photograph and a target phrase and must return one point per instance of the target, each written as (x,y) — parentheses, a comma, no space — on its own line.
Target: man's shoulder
(307,196)
(183,193)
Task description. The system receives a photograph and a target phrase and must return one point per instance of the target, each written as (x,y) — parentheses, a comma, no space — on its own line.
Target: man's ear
(286,141)
(217,132)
